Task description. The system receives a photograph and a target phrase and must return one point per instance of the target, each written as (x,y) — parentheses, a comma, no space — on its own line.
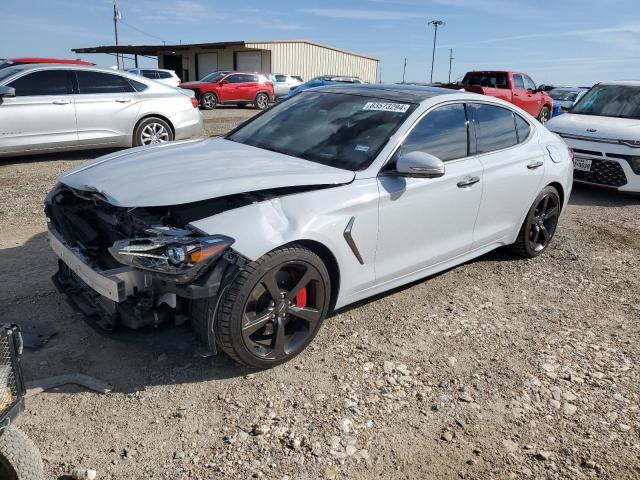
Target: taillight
(194,102)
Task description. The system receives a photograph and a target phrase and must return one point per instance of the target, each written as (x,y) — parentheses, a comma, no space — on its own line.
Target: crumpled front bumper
(131,297)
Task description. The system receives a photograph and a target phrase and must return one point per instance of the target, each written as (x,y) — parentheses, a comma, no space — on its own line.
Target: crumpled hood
(605,127)
(185,172)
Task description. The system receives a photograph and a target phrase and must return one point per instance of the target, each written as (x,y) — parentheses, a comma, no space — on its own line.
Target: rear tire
(273,308)
(208,101)
(19,457)
(540,225)
(262,101)
(152,131)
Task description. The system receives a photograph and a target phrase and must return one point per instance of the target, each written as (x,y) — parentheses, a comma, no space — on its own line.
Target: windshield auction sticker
(387,107)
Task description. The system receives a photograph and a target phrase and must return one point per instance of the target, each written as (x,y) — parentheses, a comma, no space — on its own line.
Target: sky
(568,42)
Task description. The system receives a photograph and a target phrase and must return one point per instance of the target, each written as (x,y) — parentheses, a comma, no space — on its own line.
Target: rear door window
(281,78)
(45,82)
(495,127)
(442,132)
(164,75)
(150,74)
(99,82)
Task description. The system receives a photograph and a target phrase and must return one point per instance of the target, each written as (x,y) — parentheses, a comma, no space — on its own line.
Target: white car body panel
(601,135)
(403,229)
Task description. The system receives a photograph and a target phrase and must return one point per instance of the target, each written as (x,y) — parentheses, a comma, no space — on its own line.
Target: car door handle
(61,102)
(123,100)
(467,182)
(534,165)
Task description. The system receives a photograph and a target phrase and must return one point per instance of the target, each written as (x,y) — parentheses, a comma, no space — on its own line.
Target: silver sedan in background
(48,108)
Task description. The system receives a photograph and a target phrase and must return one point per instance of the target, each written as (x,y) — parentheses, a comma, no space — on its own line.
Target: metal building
(297,57)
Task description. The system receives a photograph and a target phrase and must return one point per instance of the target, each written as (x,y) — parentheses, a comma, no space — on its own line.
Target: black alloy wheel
(540,225)
(274,308)
(282,310)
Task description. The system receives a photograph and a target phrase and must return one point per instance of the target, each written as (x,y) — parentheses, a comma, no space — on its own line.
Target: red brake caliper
(301,298)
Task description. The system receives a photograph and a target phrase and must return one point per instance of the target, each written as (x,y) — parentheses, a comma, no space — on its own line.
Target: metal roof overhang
(153,49)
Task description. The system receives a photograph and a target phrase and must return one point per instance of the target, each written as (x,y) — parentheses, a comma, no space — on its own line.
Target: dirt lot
(500,368)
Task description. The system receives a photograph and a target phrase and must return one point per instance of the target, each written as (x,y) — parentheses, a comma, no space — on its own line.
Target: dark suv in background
(232,88)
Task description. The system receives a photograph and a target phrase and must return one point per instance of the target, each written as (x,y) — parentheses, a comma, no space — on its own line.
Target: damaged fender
(311,216)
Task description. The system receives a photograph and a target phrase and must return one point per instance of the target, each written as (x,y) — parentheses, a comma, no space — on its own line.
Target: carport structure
(297,57)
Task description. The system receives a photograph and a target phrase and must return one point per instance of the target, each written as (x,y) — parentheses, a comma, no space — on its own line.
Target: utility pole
(436,24)
(117,16)
(404,71)
(450,61)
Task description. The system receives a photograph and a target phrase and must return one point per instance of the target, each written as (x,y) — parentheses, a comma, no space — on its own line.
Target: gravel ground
(500,368)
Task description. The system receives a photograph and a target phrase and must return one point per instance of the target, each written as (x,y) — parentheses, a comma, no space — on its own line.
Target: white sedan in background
(47,108)
(603,129)
(327,198)
(162,75)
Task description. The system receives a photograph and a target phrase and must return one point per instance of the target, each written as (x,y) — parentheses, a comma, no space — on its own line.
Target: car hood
(595,126)
(185,172)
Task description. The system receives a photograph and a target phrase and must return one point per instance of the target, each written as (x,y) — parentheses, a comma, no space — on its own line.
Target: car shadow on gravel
(587,196)
(62,156)
(127,360)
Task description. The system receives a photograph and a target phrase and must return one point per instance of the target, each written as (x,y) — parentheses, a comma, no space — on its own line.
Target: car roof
(406,93)
(625,83)
(568,89)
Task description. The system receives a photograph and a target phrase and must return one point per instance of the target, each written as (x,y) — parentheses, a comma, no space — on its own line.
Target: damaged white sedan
(327,198)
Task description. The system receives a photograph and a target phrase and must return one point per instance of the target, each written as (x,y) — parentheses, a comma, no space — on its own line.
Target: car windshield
(620,101)
(340,130)
(563,95)
(214,77)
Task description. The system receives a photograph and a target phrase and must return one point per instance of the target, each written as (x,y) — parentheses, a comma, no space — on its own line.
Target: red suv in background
(232,88)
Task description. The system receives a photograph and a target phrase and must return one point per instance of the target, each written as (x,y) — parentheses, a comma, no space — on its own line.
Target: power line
(142,31)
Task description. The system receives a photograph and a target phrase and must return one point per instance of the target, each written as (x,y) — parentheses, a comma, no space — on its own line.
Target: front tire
(262,101)
(539,227)
(545,115)
(274,307)
(208,101)
(19,457)
(152,131)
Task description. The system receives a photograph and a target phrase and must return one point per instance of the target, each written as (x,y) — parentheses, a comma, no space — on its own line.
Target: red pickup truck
(514,87)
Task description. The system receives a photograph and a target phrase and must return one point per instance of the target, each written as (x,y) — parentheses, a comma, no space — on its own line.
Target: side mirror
(223,82)
(419,164)
(7,92)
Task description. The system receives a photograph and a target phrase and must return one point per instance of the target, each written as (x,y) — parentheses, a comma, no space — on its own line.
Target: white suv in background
(282,84)
(168,77)
(603,129)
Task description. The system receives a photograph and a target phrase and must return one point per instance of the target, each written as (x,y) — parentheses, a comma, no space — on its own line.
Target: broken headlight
(180,257)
